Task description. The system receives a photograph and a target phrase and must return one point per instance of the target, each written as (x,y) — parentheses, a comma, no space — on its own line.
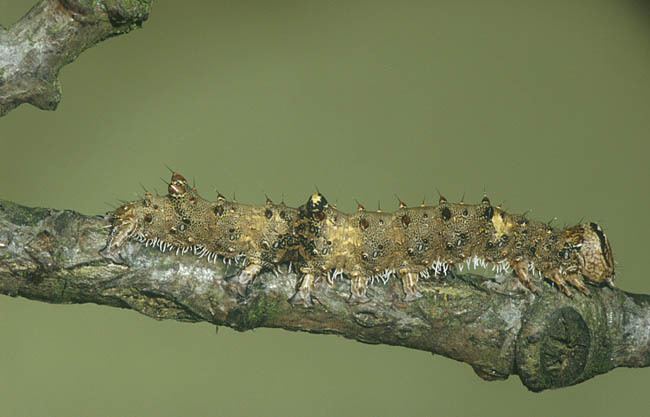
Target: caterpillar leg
(576,281)
(559,280)
(302,296)
(521,271)
(409,283)
(358,287)
(245,277)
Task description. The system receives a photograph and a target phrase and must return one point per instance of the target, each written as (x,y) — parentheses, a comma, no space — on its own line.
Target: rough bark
(549,340)
(52,34)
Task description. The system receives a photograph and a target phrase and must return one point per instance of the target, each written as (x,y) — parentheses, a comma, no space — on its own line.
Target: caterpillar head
(592,251)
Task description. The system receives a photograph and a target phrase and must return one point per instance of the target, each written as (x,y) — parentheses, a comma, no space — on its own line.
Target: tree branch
(52,34)
(549,340)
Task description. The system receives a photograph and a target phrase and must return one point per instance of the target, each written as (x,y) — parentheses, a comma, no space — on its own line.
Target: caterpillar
(324,243)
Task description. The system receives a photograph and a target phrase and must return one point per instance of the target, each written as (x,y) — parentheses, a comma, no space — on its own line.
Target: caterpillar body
(324,243)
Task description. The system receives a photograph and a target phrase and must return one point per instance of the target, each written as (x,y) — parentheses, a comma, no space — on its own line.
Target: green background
(543,104)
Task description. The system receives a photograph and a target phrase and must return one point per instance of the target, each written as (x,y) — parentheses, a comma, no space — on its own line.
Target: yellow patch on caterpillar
(502,224)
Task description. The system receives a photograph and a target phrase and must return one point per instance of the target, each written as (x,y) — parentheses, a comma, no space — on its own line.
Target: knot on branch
(564,349)
(562,346)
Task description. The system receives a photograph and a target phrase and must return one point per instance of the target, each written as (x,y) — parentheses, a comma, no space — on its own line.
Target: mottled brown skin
(380,252)
(185,222)
(324,243)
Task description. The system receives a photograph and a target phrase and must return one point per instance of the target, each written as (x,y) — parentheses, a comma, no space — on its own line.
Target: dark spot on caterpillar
(148,218)
(268,213)
(532,250)
(488,213)
(381,221)
(375,254)
(182,227)
(425,215)
(319,216)
(265,245)
(231,230)
(564,253)
(380,247)
(465,213)
(364,256)
(462,239)
(308,245)
(485,200)
(489,245)
(155,206)
(363,224)
(410,251)
(329,242)
(283,215)
(522,222)
(187,221)
(406,220)
(449,246)
(446,213)
(218,210)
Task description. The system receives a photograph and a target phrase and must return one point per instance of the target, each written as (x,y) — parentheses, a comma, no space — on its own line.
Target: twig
(52,34)
(549,340)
